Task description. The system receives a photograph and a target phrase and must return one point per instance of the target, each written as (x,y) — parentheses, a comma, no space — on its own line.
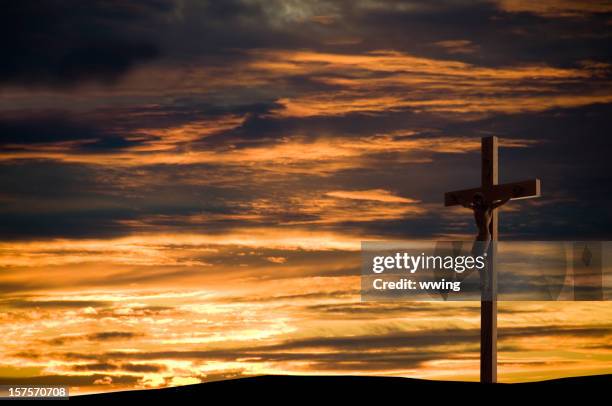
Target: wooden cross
(491,192)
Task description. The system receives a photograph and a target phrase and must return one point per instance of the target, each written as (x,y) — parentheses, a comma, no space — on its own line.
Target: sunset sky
(184,185)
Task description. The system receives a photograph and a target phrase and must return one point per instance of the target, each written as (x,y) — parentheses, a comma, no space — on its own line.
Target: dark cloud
(98,207)
(101,336)
(94,223)
(64,42)
(111,335)
(98,366)
(502,37)
(105,366)
(68,132)
(366,310)
(51,304)
(143,368)
(32,128)
(14,287)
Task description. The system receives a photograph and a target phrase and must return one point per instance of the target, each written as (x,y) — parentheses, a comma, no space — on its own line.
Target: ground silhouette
(317,389)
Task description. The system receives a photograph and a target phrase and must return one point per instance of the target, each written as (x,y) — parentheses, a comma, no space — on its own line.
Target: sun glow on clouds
(377,195)
(557,8)
(392,81)
(199,218)
(298,155)
(274,319)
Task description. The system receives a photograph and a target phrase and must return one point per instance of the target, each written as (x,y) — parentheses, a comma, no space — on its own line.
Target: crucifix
(484,201)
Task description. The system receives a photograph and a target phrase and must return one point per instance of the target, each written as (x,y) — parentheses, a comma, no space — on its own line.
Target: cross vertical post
(494,195)
(488,304)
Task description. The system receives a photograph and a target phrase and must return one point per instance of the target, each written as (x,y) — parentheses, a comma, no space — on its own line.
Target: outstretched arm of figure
(500,203)
(467,205)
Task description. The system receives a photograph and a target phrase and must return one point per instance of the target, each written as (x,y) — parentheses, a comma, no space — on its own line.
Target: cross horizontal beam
(515,191)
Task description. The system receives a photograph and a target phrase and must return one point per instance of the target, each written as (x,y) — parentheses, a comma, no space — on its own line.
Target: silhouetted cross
(491,192)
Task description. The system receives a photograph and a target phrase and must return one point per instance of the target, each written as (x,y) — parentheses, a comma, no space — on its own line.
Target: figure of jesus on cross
(484,201)
(483,217)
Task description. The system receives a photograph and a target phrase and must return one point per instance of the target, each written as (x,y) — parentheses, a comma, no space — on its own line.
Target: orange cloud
(424,84)
(556,8)
(377,195)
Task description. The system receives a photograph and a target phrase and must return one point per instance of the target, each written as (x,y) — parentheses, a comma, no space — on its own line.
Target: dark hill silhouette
(299,389)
